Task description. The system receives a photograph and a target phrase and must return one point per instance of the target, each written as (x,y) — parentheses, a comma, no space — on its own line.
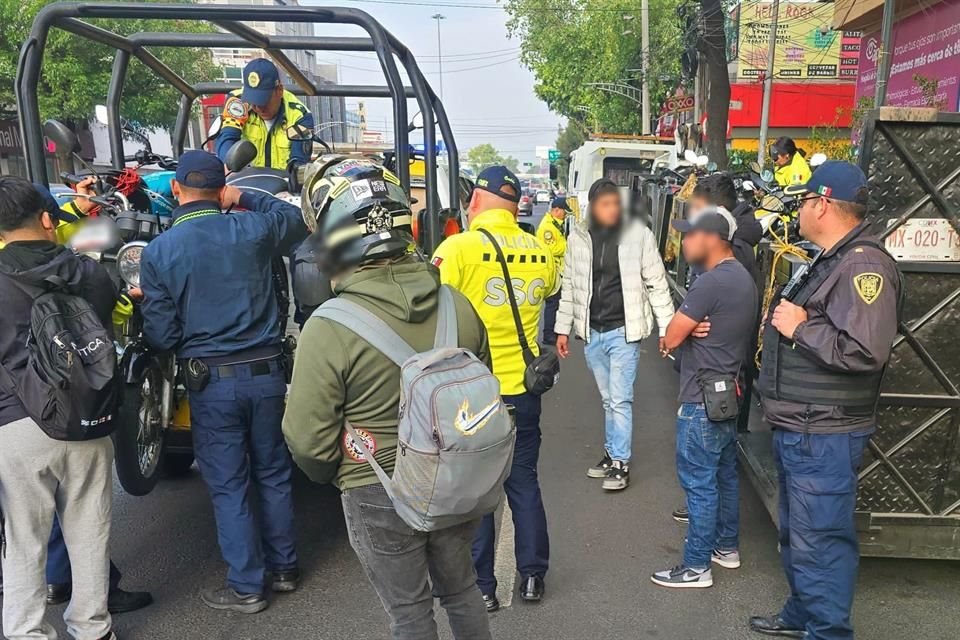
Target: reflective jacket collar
(493,218)
(197,209)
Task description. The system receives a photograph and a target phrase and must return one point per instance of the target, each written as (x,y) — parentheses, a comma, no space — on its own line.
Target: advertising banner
(807,46)
(925,45)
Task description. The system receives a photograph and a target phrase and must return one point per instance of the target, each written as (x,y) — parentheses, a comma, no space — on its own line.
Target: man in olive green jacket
(338,376)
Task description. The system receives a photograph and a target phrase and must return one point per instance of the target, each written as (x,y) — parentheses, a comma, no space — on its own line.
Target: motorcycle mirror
(240,155)
(712,166)
(300,133)
(690,156)
(60,134)
(95,236)
(416,122)
(818,159)
(101,114)
(749,186)
(767,175)
(772,203)
(755,167)
(703,161)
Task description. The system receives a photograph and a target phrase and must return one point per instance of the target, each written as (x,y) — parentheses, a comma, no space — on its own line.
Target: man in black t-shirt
(706,450)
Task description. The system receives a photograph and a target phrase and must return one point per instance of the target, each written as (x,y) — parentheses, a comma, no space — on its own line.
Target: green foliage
(76,72)
(567,48)
(511,163)
(482,156)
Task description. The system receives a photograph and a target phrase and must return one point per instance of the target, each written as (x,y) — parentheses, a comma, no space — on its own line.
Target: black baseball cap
(560,202)
(494,179)
(201,170)
(837,180)
(260,79)
(712,220)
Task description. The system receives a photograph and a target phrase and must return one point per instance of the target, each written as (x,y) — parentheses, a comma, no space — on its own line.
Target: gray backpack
(455,434)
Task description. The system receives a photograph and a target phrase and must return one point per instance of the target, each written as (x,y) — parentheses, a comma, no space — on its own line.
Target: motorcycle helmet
(357,212)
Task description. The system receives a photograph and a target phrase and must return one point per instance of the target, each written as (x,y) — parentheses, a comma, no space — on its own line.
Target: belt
(258,368)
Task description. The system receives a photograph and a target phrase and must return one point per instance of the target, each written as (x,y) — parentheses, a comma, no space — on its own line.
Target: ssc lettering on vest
(497,291)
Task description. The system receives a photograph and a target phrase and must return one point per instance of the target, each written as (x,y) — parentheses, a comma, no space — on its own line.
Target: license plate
(924,240)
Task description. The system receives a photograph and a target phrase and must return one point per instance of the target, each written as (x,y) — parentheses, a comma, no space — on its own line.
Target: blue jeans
(818,539)
(707,468)
(613,362)
(243,458)
(531,542)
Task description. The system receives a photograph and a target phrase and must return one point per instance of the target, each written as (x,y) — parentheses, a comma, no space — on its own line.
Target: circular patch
(253,80)
(379,220)
(548,237)
(236,108)
(351,448)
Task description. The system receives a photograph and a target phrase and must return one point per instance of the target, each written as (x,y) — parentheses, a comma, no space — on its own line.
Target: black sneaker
(681,515)
(120,601)
(600,469)
(683,578)
(226,599)
(618,477)
(285,581)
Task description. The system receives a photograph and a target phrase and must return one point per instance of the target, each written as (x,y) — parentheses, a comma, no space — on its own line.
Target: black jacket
(606,302)
(33,261)
(748,235)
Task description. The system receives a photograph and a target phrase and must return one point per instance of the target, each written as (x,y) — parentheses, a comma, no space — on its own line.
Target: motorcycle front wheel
(138,440)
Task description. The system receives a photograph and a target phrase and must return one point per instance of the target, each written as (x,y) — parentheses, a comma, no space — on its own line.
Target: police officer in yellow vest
(551,235)
(468,262)
(262,113)
(792,167)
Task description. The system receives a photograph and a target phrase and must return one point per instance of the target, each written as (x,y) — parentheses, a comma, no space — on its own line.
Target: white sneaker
(683,578)
(726,559)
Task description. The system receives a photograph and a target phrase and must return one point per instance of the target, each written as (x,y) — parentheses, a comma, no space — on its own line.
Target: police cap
(837,180)
(560,202)
(260,78)
(494,179)
(200,170)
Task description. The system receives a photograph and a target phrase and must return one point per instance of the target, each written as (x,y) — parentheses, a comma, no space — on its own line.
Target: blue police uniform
(208,294)
(820,390)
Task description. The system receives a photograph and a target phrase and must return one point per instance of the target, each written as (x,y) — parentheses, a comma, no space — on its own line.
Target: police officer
(551,233)
(791,166)
(468,262)
(263,113)
(208,296)
(825,346)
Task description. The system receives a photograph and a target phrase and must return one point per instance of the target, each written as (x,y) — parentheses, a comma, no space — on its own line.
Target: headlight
(128,262)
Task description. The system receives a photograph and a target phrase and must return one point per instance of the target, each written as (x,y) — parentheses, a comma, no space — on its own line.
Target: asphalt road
(603,549)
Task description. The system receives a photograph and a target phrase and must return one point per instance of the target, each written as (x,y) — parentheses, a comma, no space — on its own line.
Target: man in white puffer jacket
(614,286)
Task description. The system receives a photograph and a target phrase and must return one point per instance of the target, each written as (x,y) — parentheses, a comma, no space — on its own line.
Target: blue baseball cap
(837,180)
(52,206)
(494,179)
(260,79)
(201,170)
(560,202)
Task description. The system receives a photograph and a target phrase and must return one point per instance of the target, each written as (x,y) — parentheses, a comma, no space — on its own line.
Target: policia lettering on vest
(826,343)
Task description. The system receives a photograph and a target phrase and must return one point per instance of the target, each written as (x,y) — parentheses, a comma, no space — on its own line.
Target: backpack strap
(368,456)
(446,320)
(368,326)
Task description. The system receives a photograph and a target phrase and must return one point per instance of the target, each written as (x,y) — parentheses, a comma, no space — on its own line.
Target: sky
(487,93)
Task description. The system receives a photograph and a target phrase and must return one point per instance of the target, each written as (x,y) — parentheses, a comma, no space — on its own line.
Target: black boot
(120,601)
(58,593)
(775,626)
(531,589)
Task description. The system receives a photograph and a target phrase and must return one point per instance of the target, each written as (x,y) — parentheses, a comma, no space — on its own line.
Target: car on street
(543,196)
(525,208)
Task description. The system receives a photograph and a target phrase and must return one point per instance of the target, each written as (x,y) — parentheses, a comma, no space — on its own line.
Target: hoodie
(26,263)
(338,376)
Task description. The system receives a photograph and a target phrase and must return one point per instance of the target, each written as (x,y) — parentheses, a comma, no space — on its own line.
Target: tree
(571,44)
(511,163)
(482,156)
(713,46)
(76,72)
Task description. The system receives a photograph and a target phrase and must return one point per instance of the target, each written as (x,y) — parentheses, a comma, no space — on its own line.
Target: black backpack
(70,384)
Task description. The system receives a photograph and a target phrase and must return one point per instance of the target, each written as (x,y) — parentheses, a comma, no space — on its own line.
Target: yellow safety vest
(468,262)
(797,172)
(550,233)
(273,145)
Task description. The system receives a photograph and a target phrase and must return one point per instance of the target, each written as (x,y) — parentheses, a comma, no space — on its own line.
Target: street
(603,549)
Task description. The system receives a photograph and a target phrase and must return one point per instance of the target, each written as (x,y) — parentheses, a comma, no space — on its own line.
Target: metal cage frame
(70,17)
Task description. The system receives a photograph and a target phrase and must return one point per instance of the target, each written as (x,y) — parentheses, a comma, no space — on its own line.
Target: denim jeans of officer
(707,469)
(550,307)
(818,539)
(242,457)
(58,560)
(530,540)
(408,569)
(613,362)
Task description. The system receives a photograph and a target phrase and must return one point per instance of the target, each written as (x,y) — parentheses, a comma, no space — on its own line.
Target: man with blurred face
(706,448)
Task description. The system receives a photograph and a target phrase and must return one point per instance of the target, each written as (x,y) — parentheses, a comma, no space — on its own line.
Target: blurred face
(272,108)
(697,204)
(606,209)
(558,213)
(696,247)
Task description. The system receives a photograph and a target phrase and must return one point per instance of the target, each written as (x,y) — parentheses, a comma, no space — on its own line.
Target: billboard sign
(807,46)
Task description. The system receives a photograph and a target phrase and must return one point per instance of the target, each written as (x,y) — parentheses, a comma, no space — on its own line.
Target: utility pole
(768,83)
(438,17)
(884,59)
(645,65)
